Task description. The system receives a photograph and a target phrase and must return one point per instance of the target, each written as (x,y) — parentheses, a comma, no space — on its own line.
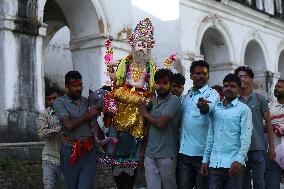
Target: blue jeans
(82,174)
(219,179)
(189,174)
(272,174)
(51,175)
(255,167)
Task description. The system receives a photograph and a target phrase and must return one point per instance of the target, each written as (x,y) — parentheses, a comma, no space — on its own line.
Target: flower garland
(169,61)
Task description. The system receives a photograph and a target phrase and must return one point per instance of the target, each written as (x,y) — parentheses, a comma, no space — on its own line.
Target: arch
(254,36)
(254,54)
(86,22)
(214,22)
(96,4)
(280,51)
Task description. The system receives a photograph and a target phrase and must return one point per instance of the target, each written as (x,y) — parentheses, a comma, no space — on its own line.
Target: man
(229,138)
(194,129)
(48,128)
(273,170)
(260,112)
(178,84)
(163,119)
(77,153)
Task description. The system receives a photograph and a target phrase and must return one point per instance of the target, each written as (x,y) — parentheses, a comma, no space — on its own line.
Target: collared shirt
(277,117)
(258,105)
(229,134)
(163,142)
(194,125)
(64,106)
(48,128)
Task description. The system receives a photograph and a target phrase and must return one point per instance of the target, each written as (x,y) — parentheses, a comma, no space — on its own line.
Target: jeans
(189,174)
(51,175)
(160,173)
(255,167)
(272,174)
(82,174)
(219,179)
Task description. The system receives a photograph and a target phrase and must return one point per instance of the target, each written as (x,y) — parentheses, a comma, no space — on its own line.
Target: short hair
(246,69)
(51,90)
(218,88)
(201,63)
(72,75)
(281,80)
(161,73)
(179,79)
(232,77)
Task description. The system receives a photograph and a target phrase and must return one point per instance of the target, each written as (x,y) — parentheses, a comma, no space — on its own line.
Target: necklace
(136,73)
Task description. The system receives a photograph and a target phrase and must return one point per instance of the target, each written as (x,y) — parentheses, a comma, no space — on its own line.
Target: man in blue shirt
(194,129)
(229,138)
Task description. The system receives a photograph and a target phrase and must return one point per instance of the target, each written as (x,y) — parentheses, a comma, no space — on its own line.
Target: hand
(142,107)
(271,153)
(93,112)
(204,169)
(202,104)
(235,168)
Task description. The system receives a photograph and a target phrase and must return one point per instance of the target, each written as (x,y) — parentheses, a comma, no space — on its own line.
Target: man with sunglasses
(77,152)
(260,112)
(48,128)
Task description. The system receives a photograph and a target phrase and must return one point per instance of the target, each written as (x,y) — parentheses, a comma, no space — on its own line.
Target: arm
(157,122)
(208,149)
(245,135)
(145,140)
(268,125)
(73,123)
(167,114)
(43,128)
(66,120)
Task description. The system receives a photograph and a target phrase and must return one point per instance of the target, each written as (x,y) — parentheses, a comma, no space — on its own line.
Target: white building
(47,38)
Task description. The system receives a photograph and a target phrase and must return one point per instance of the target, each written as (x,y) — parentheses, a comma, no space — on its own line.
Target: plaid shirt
(48,128)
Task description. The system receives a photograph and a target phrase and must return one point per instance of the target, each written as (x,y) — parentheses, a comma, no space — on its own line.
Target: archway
(215,50)
(254,57)
(80,29)
(281,64)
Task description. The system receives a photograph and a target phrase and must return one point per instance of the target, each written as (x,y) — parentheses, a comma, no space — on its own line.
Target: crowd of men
(207,138)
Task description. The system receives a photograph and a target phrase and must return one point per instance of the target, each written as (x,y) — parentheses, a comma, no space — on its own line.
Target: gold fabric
(128,118)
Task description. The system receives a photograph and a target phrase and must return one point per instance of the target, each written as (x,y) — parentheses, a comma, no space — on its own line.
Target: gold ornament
(136,73)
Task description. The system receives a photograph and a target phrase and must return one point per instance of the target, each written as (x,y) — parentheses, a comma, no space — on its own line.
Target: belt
(79,148)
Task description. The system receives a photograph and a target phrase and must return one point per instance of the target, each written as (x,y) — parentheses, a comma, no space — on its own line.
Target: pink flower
(108,58)
(173,57)
(108,43)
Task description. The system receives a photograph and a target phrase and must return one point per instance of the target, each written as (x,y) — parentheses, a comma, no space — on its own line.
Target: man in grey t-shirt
(162,144)
(260,112)
(77,153)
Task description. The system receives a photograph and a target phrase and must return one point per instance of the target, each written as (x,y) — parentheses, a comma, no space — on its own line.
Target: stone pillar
(21,77)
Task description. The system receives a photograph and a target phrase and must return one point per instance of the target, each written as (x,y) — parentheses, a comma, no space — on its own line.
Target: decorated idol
(133,82)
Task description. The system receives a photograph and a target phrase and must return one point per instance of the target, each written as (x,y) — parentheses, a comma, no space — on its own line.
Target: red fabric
(278,116)
(79,148)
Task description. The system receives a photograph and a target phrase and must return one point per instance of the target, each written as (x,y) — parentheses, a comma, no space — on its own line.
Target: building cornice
(237,10)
